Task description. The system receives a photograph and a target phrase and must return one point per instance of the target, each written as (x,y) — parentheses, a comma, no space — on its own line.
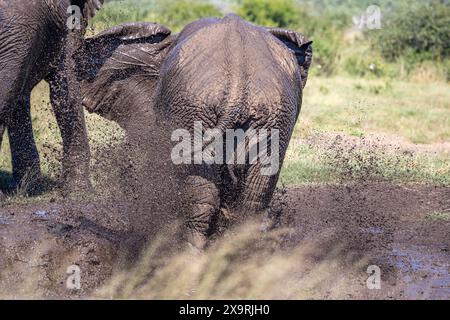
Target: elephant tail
(228,122)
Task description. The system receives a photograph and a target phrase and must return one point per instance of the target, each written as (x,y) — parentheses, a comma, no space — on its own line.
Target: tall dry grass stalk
(246,264)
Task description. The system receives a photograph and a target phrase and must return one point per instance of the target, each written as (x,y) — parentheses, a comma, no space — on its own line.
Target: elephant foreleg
(70,118)
(24,154)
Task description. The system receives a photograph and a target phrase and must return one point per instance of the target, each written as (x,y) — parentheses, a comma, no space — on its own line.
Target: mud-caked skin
(36,44)
(226,74)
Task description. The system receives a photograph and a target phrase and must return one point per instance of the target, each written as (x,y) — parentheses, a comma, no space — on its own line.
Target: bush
(327,46)
(359,60)
(416,31)
(173,13)
(271,13)
(117,12)
(176,14)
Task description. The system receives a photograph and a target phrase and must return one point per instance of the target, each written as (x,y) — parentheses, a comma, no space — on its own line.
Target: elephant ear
(300,45)
(113,63)
(88,7)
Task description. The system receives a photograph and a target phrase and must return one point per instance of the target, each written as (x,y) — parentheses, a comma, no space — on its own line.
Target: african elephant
(222,74)
(37,41)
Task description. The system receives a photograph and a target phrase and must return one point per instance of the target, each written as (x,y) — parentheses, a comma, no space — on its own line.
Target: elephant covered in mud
(218,76)
(37,41)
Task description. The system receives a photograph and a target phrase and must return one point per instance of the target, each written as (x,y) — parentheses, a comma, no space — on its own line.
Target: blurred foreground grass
(246,264)
(243,264)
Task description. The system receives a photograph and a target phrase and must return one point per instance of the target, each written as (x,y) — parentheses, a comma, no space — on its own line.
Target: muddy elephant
(217,76)
(37,41)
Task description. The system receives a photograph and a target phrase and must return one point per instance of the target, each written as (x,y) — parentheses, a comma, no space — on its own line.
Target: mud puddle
(424,270)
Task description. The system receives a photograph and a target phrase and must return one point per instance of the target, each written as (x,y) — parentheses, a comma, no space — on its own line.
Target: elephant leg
(205,201)
(2,132)
(255,195)
(70,118)
(24,154)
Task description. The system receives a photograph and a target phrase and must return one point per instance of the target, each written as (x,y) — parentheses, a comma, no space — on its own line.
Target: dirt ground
(392,226)
(397,228)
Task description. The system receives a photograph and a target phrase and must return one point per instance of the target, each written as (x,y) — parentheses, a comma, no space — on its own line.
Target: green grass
(440,216)
(418,113)
(102,133)
(303,165)
(391,131)
(306,164)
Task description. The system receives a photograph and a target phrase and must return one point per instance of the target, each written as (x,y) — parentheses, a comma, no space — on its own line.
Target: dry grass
(244,265)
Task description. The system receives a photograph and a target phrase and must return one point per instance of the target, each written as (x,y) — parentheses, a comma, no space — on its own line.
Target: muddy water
(390,226)
(424,270)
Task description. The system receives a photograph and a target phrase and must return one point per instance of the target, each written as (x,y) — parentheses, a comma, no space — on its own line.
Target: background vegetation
(413,41)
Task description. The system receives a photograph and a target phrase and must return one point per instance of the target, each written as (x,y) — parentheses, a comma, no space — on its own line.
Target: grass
(407,124)
(417,113)
(440,216)
(244,265)
(102,133)
(357,160)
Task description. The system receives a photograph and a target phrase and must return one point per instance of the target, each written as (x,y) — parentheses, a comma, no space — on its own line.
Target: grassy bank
(371,128)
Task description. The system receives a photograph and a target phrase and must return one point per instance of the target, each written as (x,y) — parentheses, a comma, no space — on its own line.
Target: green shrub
(360,61)
(176,14)
(271,13)
(117,12)
(415,31)
(327,46)
(173,13)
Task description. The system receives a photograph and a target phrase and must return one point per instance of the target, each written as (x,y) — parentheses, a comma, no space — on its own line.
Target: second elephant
(37,43)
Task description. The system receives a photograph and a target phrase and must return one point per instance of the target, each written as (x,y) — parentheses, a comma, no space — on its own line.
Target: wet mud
(393,227)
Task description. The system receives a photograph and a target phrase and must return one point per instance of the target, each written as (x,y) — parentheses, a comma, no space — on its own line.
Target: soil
(391,226)
(395,227)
